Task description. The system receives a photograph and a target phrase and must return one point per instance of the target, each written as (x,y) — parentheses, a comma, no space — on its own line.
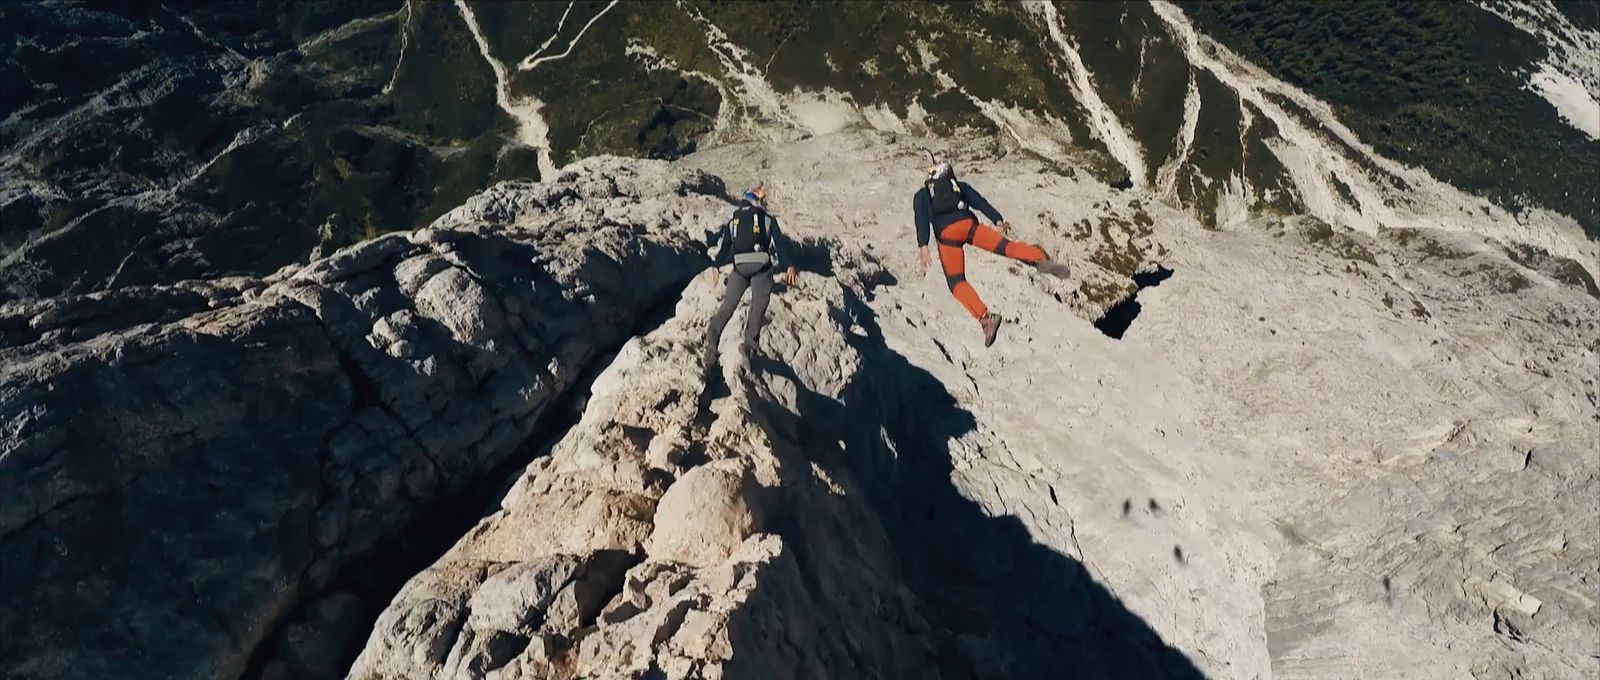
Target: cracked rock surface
(1313,453)
(1316,453)
(182,465)
(779,530)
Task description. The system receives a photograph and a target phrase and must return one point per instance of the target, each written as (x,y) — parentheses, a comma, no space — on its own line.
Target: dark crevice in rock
(179,574)
(503,648)
(602,581)
(366,391)
(812,254)
(377,576)
(1116,321)
(44,516)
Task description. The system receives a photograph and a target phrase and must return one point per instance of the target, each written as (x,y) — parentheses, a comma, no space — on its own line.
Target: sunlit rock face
(1311,453)
(361,340)
(427,456)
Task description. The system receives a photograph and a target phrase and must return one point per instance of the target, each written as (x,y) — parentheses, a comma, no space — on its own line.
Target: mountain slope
(251,140)
(1239,488)
(1313,453)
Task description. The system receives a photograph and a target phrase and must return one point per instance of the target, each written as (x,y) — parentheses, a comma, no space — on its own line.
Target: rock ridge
(235,442)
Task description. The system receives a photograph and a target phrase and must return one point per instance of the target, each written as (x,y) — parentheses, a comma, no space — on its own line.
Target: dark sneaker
(991,328)
(1054,268)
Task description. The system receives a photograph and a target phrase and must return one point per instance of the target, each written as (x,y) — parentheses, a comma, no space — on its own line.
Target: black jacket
(775,244)
(921,205)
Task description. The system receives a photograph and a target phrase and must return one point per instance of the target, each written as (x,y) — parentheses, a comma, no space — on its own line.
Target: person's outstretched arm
(724,246)
(780,250)
(977,202)
(919,210)
(724,250)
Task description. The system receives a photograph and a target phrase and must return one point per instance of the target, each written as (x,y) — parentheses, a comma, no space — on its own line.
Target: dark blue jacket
(921,205)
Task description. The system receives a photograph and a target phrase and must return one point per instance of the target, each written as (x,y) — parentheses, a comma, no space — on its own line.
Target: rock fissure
(1119,317)
(380,573)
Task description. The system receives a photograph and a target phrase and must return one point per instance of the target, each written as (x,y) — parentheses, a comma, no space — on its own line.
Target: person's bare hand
(924,257)
(716,276)
(789,277)
(1003,226)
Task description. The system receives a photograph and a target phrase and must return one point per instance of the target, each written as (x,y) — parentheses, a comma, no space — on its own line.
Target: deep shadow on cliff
(188,485)
(997,604)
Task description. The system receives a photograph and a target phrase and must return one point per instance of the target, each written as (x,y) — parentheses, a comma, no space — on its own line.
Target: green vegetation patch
(1342,245)
(1565,270)
(1420,242)
(1218,150)
(444,88)
(874,52)
(599,99)
(1275,192)
(1138,71)
(1436,84)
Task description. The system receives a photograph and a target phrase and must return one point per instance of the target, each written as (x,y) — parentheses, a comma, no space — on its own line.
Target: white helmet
(938,168)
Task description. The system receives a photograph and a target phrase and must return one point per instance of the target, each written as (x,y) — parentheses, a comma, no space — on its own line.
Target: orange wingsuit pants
(953,257)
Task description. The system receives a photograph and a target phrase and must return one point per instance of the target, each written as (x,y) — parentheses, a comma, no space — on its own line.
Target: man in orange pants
(944,208)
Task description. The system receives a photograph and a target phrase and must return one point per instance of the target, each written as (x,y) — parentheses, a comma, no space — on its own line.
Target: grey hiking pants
(758,278)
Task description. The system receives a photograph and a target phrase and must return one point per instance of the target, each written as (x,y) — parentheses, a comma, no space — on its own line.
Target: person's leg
(730,301)
(760,293)
(954,262)
(989,239)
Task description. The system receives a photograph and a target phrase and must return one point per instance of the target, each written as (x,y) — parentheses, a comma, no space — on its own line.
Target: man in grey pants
(752,242)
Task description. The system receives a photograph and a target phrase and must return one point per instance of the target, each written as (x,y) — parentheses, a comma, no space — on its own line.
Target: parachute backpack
(751,229)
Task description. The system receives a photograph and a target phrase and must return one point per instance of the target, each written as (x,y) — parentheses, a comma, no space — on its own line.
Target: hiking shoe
(991,328)
(1054,268)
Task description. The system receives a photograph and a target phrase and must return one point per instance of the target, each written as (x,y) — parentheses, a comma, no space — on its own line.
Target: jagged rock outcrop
(1316,453)
(183,465)
(801,526)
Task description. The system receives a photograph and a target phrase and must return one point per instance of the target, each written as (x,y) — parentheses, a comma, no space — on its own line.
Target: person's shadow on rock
(1000,604)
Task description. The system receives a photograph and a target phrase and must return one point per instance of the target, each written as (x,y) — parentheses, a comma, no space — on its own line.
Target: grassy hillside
(1436,84)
